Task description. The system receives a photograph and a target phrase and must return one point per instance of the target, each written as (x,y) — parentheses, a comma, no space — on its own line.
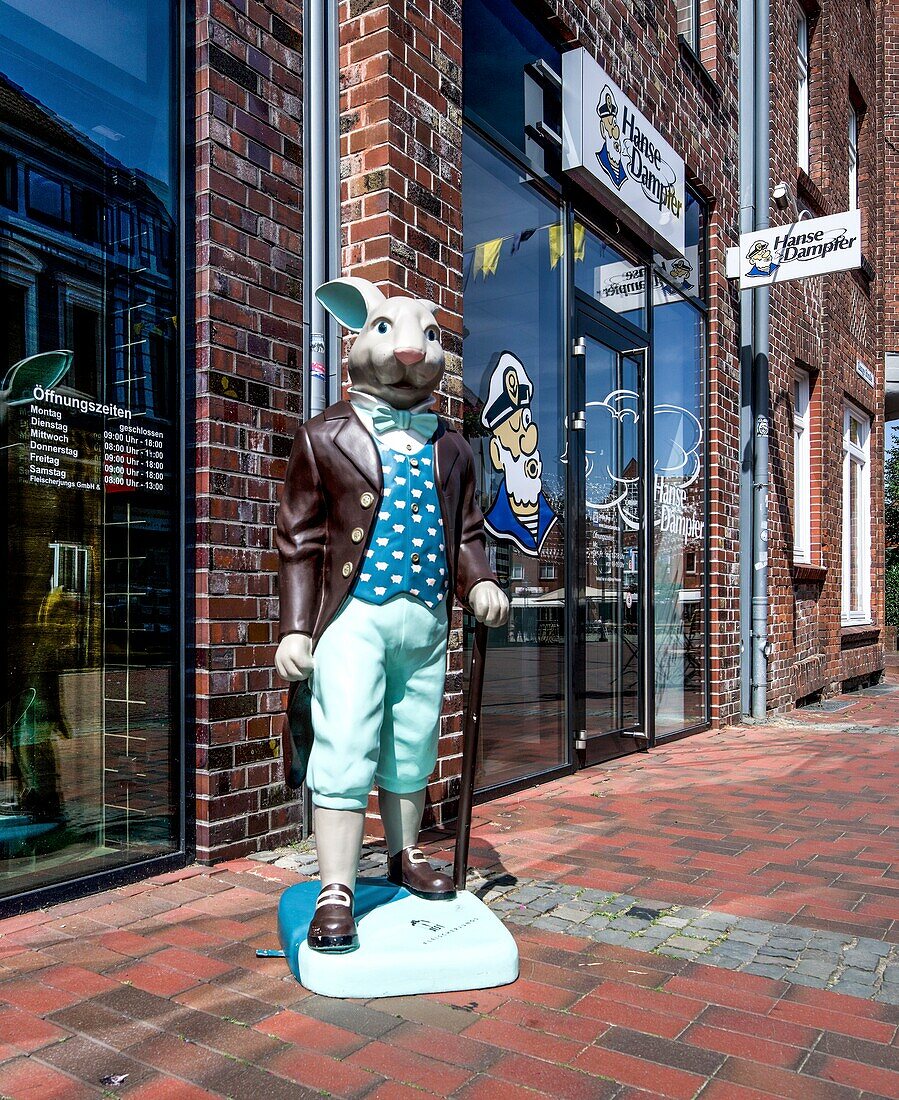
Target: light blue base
(406,945)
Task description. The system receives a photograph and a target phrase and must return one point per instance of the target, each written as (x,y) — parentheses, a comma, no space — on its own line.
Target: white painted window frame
(802,468)
(803,118)
(857,454)
(853,156)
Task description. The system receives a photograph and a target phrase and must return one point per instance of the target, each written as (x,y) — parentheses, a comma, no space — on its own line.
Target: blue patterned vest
(406,552)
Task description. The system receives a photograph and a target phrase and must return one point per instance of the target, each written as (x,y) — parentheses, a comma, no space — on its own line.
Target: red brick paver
(158,983)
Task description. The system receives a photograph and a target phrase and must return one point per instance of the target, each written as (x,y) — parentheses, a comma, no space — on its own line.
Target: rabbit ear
(350,300)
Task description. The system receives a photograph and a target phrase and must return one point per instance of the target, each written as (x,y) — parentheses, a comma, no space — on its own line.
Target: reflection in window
(613,280)
(680,597)
(514,420)
(89,741)
(46,197)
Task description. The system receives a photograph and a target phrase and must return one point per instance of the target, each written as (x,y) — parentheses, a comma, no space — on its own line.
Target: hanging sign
(810,247)
(614,152)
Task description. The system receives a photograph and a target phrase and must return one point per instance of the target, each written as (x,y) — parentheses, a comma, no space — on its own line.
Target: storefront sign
(67,449)
(615,153)
(813,247)
(622,286)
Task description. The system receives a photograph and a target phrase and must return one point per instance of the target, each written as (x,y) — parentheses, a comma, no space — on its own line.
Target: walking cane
(470,737)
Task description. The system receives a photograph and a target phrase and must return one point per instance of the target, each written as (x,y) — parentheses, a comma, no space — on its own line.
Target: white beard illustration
(523,478)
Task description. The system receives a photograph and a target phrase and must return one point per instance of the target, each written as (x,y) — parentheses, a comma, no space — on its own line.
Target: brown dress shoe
(333,928)
(409,868)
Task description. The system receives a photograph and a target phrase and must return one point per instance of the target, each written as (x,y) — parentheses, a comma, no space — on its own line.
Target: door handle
(578,422)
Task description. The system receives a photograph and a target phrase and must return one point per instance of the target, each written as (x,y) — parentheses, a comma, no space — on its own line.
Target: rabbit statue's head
(397,355)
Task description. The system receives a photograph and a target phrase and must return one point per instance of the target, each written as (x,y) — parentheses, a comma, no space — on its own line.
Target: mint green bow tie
(386,419)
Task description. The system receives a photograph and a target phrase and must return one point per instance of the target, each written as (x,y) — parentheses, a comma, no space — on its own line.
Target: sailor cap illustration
(607,107)
(510,390)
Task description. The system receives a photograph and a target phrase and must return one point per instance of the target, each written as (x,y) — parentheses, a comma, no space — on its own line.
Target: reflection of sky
(102,67)
(677,357)
(519,308)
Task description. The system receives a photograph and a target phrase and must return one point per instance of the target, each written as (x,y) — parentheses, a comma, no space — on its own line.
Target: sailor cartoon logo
(520,512)
(762,260)
(610,156)
(679,272)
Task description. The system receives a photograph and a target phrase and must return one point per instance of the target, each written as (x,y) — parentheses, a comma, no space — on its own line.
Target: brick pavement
(154,990)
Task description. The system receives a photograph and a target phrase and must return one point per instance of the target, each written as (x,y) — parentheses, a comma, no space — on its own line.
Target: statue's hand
(489,603)
(294,660)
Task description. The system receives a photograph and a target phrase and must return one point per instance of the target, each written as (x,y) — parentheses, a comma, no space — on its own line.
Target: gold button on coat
(415,559)
(357,534)
(366,500)
(415,509)
(347,568)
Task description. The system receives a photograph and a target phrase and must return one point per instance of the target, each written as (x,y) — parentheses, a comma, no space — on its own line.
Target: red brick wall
(824,324)
(401,210)
(888,253)
(248,360)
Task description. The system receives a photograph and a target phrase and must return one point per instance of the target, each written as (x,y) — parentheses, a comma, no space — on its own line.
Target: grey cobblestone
(858,966)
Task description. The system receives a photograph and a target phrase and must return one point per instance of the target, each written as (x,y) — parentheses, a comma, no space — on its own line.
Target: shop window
(499,43)
(802,468)
(679,532)
(514,414)
(91,744)
(606,275)
(803,123)
(856,601)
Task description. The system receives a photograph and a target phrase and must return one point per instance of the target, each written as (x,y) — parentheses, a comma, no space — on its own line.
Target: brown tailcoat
(332,495)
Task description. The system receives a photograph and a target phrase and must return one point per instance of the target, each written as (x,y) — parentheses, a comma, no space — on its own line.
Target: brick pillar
(247,398)
(401,202)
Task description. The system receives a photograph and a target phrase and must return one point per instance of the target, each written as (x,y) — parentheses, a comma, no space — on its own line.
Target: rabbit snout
(409,356)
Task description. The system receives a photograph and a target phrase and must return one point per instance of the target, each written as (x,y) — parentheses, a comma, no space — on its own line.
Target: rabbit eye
(383,327)
(432,334)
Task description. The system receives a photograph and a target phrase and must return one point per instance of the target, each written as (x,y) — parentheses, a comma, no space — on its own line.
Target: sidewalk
(714,918)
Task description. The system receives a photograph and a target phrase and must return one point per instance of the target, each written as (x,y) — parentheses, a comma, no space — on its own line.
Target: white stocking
(401,815)
(338,840)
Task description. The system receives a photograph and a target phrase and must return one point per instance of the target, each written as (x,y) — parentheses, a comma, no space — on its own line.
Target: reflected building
(88,264)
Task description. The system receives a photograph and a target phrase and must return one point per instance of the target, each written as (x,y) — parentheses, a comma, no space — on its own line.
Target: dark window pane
(499,41)
(12,301)
(46,198)
(8,189)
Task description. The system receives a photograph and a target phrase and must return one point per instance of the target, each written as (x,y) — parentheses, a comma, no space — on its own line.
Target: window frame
(856,454)
(803,82)
(853,132)
(802,467)
(688,17)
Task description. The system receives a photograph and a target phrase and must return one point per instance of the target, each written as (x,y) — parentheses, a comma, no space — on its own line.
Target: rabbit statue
(378,528)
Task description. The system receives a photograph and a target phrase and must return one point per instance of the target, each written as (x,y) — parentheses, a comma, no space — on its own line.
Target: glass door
(607,444)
